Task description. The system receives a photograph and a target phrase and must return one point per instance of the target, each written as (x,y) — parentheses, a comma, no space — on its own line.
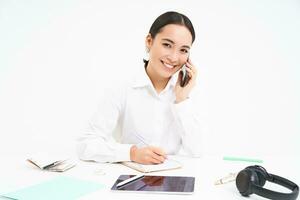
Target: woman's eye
(167,45)
(184,51)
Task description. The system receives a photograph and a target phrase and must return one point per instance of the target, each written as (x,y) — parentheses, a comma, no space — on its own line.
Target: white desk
(15,173)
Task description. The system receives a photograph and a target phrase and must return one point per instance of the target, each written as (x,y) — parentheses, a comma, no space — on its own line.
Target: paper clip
(99,172)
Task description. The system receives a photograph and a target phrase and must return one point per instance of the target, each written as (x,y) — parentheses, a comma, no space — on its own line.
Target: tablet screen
(159,184)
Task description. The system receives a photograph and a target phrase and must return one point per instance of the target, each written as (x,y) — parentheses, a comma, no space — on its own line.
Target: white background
(57,57)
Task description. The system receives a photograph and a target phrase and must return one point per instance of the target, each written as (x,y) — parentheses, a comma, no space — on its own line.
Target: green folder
(58,188)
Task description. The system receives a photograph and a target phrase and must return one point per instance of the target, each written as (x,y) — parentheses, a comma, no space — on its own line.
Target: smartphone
(185,78)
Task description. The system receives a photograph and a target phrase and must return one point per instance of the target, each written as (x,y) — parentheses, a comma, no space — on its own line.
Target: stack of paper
(51,163)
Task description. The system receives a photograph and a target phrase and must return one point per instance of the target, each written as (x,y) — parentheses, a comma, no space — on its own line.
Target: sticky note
(61,187)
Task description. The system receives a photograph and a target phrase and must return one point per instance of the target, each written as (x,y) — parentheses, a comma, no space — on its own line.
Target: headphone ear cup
(244,181)
(261,175)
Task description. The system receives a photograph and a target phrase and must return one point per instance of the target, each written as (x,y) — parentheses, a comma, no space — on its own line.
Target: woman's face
(169,50)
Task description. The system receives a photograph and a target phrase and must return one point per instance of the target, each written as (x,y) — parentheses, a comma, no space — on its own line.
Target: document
(66,188)
(48,162)
(168,164)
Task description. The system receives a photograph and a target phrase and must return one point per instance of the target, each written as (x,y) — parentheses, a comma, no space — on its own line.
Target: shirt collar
(142,79)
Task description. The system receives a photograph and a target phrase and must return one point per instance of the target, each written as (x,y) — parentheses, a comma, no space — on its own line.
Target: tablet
(157,184)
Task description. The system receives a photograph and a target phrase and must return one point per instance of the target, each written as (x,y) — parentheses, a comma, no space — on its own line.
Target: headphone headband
(278,195)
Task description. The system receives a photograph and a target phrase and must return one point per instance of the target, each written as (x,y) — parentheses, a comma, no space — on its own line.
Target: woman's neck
(159,83)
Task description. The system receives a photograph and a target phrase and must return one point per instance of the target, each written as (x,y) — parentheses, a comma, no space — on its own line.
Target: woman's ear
(148,41)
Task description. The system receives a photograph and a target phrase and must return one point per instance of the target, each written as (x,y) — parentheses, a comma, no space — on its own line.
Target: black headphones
(252,179)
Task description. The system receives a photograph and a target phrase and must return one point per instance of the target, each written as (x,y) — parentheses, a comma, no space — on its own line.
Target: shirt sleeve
(188,122)
(97,142)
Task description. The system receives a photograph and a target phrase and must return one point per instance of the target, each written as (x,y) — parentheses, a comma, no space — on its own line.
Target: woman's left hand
(182,93)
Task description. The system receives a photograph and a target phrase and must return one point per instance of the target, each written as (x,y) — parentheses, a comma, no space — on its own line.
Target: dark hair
(170,17)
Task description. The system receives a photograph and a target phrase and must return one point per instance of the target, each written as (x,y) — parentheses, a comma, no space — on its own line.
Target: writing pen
(52,164)
(130,180)
(142,139)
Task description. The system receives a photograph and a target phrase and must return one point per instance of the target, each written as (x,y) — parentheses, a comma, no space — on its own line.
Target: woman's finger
(189,62)
(192,67)
(154,160)
(158,157)
(158,151)
(190,72)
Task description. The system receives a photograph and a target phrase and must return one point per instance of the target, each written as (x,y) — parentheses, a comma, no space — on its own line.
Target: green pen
(230,158)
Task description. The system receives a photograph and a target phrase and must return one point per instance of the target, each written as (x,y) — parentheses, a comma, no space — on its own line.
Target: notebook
(168,164)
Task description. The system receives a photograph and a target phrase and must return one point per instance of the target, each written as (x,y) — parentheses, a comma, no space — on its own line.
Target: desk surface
(16,173)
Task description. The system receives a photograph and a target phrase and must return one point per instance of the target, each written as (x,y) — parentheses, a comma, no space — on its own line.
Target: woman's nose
(173,57)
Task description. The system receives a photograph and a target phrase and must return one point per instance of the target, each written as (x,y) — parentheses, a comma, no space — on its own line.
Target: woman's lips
(168,65)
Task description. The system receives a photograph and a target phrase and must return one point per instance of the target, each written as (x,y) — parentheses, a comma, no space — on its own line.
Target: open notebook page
(167,165)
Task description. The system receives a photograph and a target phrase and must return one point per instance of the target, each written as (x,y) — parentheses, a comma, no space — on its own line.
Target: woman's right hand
(147,155)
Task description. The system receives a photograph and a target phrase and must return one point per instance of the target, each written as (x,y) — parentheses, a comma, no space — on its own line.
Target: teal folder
(61,187)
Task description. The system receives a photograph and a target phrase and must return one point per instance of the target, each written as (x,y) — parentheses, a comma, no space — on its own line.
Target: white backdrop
(57,57)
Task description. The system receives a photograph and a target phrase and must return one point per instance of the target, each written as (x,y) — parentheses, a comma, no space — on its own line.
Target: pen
(130,180)
(142,139)
(51,165)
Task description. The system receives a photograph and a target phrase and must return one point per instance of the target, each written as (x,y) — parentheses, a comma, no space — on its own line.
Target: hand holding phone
(186,81)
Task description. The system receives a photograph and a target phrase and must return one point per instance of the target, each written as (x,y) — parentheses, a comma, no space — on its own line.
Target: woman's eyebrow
(185,46)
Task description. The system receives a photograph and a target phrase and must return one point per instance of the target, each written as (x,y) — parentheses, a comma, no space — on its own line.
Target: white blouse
(144,117)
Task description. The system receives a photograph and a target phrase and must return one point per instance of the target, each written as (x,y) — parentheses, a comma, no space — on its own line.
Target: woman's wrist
(132,152)
(178,100)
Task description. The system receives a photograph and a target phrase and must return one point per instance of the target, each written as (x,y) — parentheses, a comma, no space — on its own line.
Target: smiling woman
(168,52)
(168,43)
(156,114)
